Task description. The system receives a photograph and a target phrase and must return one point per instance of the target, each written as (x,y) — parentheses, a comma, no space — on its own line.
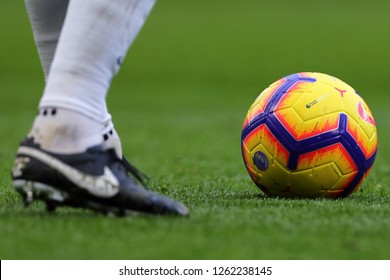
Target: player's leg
(62,160)
(47,18)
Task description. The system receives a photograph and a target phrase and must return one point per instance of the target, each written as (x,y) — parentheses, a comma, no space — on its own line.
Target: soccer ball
(309,135)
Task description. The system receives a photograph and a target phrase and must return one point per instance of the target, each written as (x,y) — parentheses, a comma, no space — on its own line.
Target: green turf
(178,104)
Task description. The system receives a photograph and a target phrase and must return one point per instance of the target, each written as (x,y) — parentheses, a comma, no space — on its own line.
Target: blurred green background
(178,104)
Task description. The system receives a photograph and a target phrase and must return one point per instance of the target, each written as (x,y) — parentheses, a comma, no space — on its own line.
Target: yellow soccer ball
(309,135)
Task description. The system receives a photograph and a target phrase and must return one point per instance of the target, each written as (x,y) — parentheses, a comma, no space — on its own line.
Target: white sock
(93,41)
(111,137)
(64,131)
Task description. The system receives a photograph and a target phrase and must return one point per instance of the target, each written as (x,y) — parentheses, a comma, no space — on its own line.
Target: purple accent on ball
(291,80)
(283,90)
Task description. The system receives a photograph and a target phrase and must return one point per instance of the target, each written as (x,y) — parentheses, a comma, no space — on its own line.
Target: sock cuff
(73,105)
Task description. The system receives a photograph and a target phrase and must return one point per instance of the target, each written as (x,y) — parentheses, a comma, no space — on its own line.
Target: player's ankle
(65,131)
(111,139)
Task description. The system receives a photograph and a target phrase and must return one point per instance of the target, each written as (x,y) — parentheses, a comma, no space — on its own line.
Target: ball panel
(310,108)
(361,125)
(314,182)
(275,180)
(301,130)
(366,144)
(321,101)
(333,153)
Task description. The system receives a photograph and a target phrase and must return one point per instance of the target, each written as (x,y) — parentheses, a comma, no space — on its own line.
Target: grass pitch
(179,103)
